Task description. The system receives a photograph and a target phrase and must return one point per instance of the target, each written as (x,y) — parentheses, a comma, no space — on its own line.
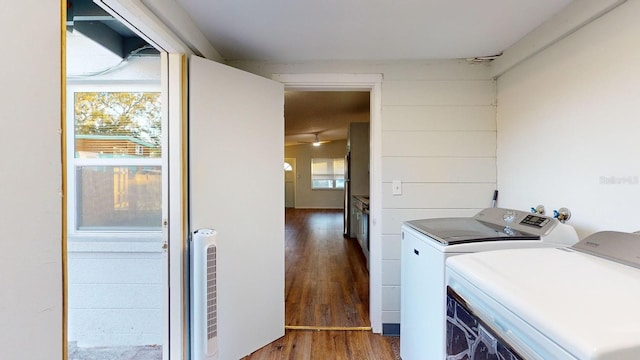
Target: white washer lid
(587,305)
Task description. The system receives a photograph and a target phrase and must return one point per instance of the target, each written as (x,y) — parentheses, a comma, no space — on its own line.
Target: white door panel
(236,137)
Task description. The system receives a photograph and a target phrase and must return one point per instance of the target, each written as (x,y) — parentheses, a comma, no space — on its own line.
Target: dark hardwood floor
(326,279)
(326,286)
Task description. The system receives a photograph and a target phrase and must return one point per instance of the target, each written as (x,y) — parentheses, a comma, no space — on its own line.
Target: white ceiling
(303,30)
(373,30)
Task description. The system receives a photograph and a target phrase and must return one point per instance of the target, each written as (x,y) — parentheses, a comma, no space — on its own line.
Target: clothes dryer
(569,303)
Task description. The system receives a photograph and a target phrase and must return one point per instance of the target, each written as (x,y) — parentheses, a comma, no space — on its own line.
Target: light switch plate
(396,187)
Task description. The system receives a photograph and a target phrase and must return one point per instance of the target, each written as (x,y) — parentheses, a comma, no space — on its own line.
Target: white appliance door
(236,150)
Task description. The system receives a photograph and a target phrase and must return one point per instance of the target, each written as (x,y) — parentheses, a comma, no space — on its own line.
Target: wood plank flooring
(326,285)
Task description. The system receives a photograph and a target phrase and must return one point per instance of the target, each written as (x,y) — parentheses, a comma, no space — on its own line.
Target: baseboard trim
(391,329)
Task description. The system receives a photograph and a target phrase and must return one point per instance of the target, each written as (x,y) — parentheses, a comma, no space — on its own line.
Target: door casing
(373,84)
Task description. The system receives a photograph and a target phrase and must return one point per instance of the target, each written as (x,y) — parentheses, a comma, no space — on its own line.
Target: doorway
(116,259)
(327,282)
(373,84)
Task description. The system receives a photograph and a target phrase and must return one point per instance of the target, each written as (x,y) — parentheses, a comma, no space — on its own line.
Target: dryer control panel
(613,245)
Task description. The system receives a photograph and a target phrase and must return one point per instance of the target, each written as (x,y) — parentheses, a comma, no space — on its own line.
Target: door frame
(146,24)
(373,84)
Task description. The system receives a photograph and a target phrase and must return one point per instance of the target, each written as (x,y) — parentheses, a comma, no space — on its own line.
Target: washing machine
(579,302)
(426,245)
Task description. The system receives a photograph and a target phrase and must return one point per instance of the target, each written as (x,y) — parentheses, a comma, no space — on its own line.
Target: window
(115,181)
(327,173)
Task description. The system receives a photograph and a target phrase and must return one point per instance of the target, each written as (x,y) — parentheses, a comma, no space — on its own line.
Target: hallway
(326,285)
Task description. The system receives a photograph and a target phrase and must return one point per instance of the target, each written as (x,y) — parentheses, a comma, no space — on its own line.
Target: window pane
(118,197)
(327,173)
(117,124)
(322,184)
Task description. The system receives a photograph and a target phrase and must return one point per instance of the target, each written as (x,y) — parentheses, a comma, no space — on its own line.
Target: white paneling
(411,70)
(439,118)
(392,219)
(118,296)
(457,93)
(111,296)
(390,272)
(453,144)
(427,169)
(432,70)
(391,247)
(577,104)
(391,317)
(420,196)
(115,270)
(124,326)
(391,298)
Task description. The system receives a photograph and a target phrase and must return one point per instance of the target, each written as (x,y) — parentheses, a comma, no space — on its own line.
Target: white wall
(568,126)
(305,197)
(30,185)
(438,138)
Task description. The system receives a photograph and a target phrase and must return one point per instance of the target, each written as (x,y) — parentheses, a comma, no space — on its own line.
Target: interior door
(236,137)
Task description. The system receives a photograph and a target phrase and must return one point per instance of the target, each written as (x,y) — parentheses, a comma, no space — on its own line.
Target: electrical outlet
(396,187)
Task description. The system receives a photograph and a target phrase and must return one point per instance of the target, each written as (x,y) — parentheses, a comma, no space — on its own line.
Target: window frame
(334,180)
(74,87)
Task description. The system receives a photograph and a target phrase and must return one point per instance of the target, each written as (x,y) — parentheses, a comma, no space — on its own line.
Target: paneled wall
(115,291)
(438,138)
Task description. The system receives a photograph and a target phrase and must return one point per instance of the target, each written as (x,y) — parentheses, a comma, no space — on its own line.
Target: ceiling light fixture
(316,142)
